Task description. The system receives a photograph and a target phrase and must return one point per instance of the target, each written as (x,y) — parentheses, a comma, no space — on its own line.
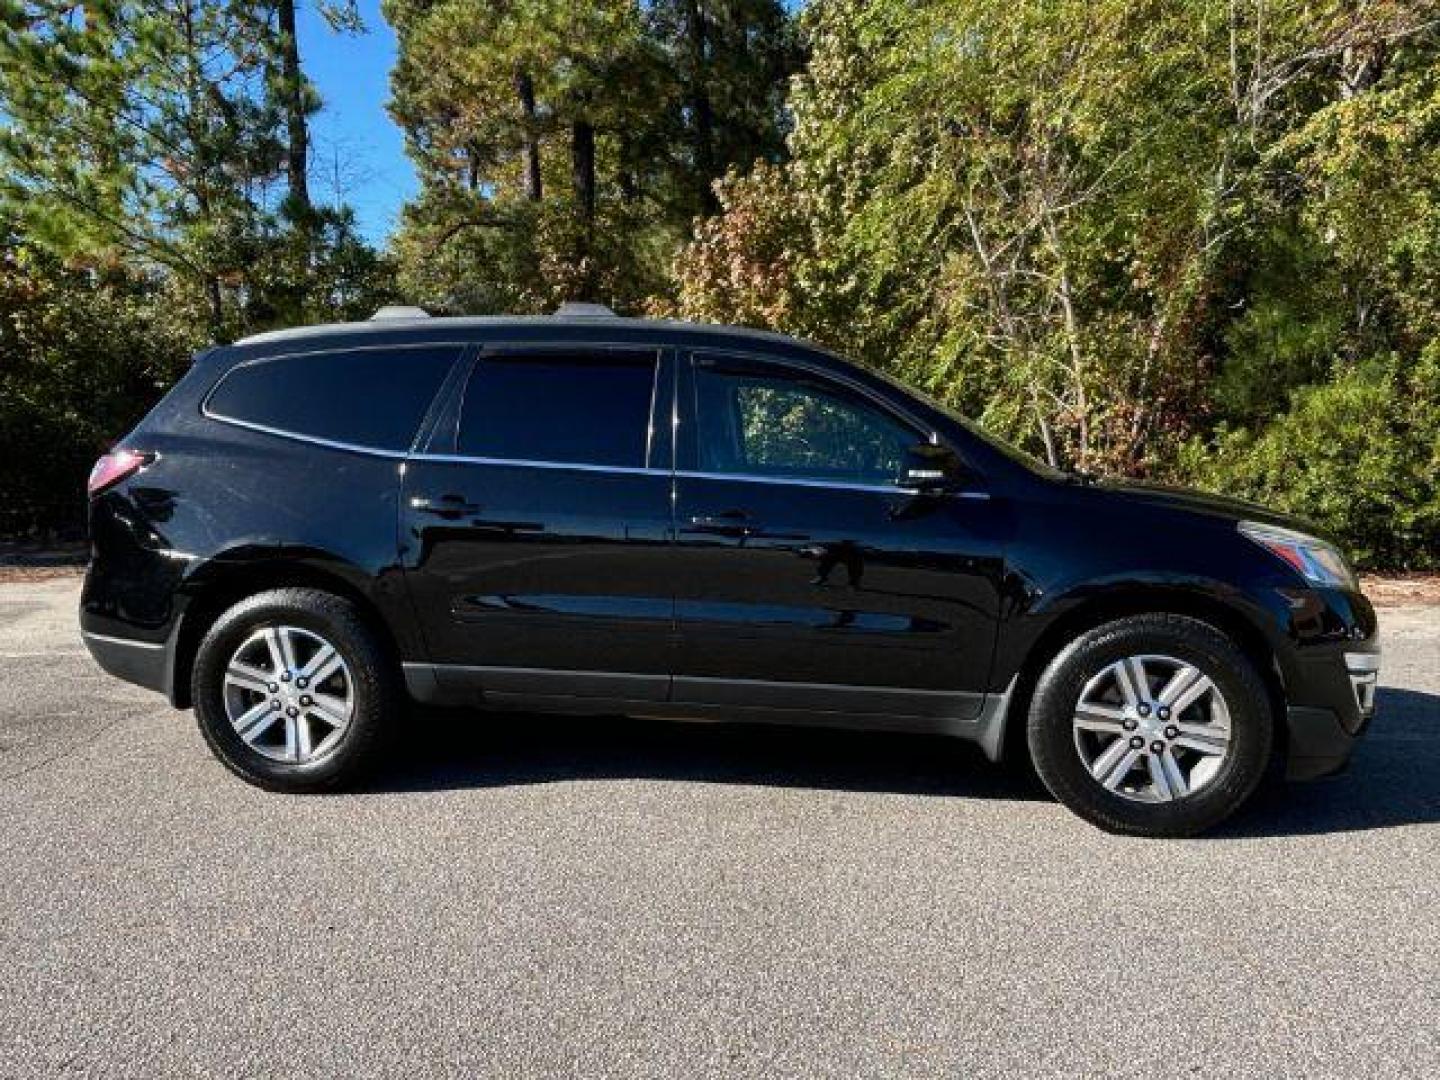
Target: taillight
(114,467)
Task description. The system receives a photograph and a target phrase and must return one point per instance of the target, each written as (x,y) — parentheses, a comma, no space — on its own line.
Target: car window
(763,423)
(579,410)
(373,398)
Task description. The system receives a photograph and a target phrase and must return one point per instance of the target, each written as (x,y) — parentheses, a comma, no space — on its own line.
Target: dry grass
(13,574)
(1401,590)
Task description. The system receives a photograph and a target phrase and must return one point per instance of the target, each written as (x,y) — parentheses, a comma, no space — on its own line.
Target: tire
(235,677)
(1218,758)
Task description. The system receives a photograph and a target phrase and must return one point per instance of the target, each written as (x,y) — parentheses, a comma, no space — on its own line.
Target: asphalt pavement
(520,896)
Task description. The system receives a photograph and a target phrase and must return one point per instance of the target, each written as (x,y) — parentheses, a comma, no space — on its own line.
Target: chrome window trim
(528,463)
(315,440)
(796,481)
(580,466)
(686,474)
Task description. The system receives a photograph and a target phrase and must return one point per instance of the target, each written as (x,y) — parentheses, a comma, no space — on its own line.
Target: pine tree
(564,149)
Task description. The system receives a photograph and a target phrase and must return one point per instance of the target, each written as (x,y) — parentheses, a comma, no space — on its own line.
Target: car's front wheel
(1153,725)
(293,690)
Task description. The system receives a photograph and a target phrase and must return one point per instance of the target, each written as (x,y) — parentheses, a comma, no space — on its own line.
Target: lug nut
(1137,742)
(274,688)
(1157,747)
(1171,732)
(1129,725)
(1143,710)
(1164,712)
(285,676)
(275,704)
(305,699)
(292,711)
(302,683)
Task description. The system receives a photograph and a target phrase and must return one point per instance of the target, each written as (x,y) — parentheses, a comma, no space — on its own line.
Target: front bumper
(1323,735)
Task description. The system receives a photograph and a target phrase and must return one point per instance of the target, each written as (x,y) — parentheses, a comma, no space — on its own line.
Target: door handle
(730,523)
(446,506)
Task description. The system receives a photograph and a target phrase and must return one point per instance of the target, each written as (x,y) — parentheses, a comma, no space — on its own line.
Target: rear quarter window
(372,398)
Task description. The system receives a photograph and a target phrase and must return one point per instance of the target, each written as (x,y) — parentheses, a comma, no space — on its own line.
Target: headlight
(1315,560)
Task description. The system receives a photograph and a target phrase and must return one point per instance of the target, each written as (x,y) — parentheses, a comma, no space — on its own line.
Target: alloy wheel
(289,694)
(1152,728)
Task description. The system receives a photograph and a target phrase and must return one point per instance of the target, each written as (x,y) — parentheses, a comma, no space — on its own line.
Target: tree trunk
(702,111)
(214,307)
(582,172)
(530,148)
(582,167)
(297,154)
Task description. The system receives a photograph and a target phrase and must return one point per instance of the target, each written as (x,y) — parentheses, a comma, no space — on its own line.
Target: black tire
(376,688)
(1051,736)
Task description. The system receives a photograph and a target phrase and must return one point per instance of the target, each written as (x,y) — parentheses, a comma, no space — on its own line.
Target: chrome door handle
(730,523)
(444,506)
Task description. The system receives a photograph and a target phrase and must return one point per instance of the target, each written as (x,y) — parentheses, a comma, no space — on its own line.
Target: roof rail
(574,309)
(400,311)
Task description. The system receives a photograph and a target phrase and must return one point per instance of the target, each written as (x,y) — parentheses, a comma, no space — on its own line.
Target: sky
(357,152)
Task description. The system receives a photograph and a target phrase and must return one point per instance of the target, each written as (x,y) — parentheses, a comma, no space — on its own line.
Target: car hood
(1189,500)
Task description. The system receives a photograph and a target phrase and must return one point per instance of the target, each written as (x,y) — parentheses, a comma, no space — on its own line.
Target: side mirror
(930,468)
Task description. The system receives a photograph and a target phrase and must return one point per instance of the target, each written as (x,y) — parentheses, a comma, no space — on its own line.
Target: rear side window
(578,410)
(372,398)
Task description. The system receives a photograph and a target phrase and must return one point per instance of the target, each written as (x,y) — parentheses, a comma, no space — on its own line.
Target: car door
(806,577)
(536,523)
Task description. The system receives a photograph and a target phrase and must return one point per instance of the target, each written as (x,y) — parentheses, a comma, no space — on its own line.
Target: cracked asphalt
(519,896)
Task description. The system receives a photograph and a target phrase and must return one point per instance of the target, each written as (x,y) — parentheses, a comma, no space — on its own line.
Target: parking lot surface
(520,896)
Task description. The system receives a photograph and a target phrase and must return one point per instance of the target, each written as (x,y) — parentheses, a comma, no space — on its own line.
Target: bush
(1359,456)
(83,355)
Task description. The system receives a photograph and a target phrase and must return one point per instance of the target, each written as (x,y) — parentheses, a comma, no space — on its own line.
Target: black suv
(604,515)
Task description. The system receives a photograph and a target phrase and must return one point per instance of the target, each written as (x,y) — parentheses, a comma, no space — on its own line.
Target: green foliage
(1359,456)
(1195,242)
(153,199)
(563,149)
(83,354)
(1109,246)
(160,133)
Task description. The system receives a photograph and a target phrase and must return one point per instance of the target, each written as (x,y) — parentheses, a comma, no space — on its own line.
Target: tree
(1053,230)
(86,351)
(170,133)
(563,149)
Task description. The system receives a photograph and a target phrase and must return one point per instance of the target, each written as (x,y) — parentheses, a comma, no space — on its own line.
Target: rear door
(535,526)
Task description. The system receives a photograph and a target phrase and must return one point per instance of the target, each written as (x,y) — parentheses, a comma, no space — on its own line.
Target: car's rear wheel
(1154,725)
(293,690)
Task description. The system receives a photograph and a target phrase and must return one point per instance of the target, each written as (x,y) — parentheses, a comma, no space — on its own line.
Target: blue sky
(353,136)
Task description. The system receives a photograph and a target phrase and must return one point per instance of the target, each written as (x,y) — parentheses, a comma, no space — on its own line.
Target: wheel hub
(289,694)
(1152,728)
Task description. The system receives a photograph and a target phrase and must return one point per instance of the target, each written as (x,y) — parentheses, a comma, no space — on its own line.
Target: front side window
(765,423)
(575,410)
(372,398)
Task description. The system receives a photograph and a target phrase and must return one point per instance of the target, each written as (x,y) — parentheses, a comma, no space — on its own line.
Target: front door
(806,578)
(535,527)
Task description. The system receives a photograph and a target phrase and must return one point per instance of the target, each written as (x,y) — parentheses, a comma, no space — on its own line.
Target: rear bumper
(144,663)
